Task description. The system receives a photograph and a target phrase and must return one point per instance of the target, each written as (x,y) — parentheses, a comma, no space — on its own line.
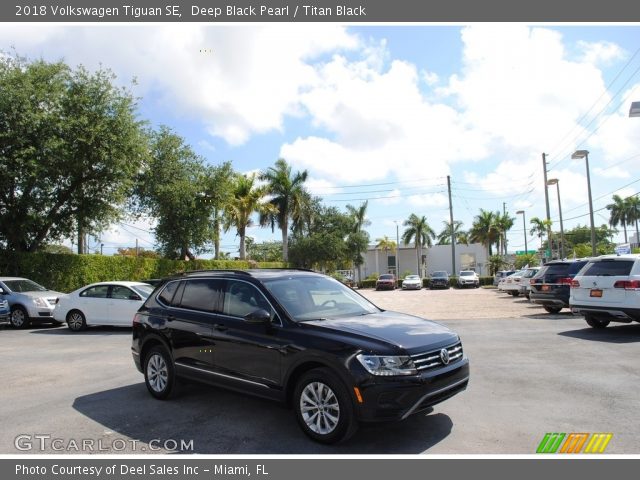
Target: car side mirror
(259,316)
(1,291)
(135,297)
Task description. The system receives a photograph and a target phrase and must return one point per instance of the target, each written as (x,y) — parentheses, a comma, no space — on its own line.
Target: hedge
(68,272)
(453,281)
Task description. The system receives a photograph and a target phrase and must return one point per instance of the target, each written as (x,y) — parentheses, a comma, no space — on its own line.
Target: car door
(247,350)
(123,305)
(94,303)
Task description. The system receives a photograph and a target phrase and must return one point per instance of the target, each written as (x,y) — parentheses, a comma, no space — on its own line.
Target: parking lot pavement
(531,373)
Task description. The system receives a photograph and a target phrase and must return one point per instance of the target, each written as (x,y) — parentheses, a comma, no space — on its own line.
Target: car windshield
(313,298)
(24,286)
(143,290)
(467,274)
(412,277)
(386,277)
(439,274)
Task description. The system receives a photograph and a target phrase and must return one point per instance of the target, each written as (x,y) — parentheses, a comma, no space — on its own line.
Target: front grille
(431,359)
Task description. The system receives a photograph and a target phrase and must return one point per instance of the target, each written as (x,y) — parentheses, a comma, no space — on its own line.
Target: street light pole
(579,154)
(524,227)
(397,250)
(556,182)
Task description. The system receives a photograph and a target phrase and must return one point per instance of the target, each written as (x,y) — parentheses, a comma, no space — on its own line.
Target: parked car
(104,303)
(607,289)
(525,286)
(298,337)
(412,282)
(5,312)
(28,301)
(511,283)
(468,278)
(550,287)
(386,281)
(500,275)
(439,279)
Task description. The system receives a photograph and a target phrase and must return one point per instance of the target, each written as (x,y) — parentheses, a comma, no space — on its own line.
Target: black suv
(298,337)
(551,286)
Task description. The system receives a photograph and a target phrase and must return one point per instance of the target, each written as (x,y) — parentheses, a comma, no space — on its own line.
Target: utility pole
(504,234)
(136,247)
(453,237)
(397,251)
(546,202)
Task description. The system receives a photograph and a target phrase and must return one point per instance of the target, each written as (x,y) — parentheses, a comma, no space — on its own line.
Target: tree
(540,228)
(70,146)
(496,263)
(485,230)
(633,213)
(619,213)
(287,196)
(263,252)
(444,237)
(218,194)
(358,239)
(420,231)
(526,259)
(170,190)
(137,252)
(246,200)
(386,244)
(504,223)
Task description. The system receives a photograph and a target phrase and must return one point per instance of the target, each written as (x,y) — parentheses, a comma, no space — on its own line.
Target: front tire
(324,408)
(76,321)
(159,373)
(596,322)
(19,317)
(553,309)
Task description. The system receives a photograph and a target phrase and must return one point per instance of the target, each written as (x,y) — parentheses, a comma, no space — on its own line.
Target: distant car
(468,278)
(500,275)
(607,289)
(525,287)
(551,286)
(28,301)
(386,281)
(511,283)
(105,303)
(412,282)
(5,313)
(439,279)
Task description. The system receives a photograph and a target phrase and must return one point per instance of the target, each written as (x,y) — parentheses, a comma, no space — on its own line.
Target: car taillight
(575,284)
(566,281)
(627,284)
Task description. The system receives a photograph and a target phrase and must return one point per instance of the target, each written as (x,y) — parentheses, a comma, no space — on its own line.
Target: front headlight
(384,365)
(40,302)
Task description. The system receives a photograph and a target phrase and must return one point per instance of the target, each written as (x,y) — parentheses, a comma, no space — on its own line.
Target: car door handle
(220,327)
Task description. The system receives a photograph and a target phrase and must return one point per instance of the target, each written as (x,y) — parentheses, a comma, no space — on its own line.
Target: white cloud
(600,52)
(429,200)
(430,78)
(611,172)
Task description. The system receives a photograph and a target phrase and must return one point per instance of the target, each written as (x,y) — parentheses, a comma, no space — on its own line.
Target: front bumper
(396,398)
(385,286)
(440,284)
(4,317)
(411,286)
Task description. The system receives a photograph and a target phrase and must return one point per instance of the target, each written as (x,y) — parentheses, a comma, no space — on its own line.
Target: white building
(438,257)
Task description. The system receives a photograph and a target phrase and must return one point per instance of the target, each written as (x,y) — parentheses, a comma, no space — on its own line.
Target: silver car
(28,301)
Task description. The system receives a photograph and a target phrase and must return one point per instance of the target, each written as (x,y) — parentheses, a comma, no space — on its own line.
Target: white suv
(607,289)
(468,278)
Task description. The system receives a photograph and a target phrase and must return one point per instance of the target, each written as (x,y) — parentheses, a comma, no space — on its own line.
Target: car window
(168,292)
(99,291)
(575,267)
(143,290)
(439,274)
(386,277)
(121,293)
(309,298)
(608,268)
(201,294)
(24,285)
(242,298)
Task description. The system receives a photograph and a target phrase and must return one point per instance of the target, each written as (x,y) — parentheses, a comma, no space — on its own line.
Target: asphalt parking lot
(531,373)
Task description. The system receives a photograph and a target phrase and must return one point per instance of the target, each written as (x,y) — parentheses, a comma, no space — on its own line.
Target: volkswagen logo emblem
(444,356)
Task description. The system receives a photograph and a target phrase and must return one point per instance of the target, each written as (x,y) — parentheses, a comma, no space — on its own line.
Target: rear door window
(609,268)
(201,294)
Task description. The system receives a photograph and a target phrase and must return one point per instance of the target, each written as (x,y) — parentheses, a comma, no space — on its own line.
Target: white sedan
(105,303)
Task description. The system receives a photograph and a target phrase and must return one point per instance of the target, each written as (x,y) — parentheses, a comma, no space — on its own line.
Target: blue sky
(384,112)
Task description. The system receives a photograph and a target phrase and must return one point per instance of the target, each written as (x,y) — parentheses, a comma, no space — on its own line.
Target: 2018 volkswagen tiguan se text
(299,337)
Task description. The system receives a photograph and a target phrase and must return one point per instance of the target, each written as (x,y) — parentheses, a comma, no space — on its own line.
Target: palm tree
(540,228)
(633,203)
(358,214)
(246,200)
(485,230)
(218,181)
(619,213)
(287,197)
(386,244)
(444,237)
(420,231)
(504,223)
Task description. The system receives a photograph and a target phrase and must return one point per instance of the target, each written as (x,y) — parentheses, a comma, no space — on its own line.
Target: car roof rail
(213,270)
(287,268)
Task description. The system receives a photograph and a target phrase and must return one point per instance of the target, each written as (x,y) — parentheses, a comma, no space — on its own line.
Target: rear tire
(324,408)
(596,322)
(159,373)
(553,309)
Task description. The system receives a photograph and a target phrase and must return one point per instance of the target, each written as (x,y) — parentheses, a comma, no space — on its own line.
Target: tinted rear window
(609,268)
(557,268)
